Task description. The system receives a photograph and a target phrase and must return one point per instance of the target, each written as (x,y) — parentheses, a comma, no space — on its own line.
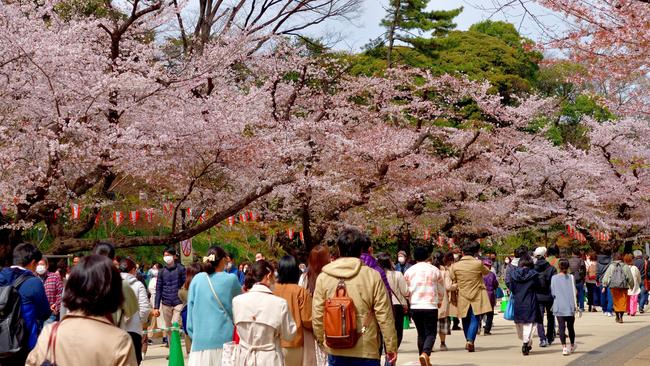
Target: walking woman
(633,293)
(209,309)
(564,305)
(523,283)
(444,322)
(491,285)
(190,271)
(593,296)
(399,293)
(87,335)
(618,278)
(319,257)
(135,323)
(299,301)
(262,319)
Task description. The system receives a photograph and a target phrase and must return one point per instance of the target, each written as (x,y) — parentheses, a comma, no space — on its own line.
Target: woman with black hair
(523,283)
(190,271)
(299,301)
(87,335)
(262,319)
(134,325)
(209,309)
(399,292)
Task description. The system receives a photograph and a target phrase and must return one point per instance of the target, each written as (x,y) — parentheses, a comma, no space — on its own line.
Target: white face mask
(168,259)
(402,260)
(507,261)
(229,266)
(41,269)
(456,256)
(154,272)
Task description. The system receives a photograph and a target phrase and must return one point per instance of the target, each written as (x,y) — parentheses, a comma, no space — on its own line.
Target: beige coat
(368,292)
(400,290)
(86,341)
(468,274)
(299,301)
(447,309)
(262,319)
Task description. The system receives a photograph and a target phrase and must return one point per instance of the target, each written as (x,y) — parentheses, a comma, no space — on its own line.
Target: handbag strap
(51,343)
(218,300)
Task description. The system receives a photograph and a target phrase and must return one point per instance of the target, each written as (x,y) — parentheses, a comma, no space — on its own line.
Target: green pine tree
(407,20)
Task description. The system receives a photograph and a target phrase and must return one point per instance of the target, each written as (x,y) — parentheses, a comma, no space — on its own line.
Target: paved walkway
(600,342)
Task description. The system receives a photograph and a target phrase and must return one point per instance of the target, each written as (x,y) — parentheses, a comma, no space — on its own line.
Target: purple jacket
(371,262)
(491,284)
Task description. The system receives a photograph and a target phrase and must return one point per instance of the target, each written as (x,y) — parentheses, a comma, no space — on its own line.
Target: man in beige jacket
(473,298)
(368,292)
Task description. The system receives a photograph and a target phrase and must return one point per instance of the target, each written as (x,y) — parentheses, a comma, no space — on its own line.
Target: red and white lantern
(231,220)
(302,237)
(290,233)
(148,213)
(76,211)
(427,234)
(118,218)
(134,216)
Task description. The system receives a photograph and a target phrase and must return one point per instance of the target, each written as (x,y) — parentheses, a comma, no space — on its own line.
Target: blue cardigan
(207,324)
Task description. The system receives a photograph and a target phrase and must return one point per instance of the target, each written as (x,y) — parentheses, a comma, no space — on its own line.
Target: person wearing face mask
(170,280)
(402,262)
(134,325)
(154,321)
(232,268)
(53,288)
(262,319)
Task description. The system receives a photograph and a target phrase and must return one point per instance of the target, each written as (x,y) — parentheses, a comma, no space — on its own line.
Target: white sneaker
(610,315)
(565,351)
(573,348)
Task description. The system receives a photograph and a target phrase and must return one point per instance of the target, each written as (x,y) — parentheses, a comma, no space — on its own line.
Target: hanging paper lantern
(76,211)
(97,217)
(302,237)
(188,213)
(148,213)
(134,216)
(203,216)
(441,240)
(243,217)
(118,218)
(231,220)
(290,233)
(427,234)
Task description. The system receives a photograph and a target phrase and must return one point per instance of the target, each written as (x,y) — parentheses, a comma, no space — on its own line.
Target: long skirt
(209,357)
(620,299)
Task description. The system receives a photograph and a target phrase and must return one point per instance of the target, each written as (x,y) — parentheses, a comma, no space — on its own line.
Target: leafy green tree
(407,16)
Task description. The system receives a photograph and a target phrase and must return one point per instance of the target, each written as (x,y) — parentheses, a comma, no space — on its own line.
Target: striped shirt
(53,289)
(426,285)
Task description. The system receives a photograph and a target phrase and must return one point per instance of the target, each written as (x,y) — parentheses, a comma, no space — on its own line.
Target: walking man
(170,280)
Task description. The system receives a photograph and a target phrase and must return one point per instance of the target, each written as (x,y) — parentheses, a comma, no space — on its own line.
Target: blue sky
(352,36)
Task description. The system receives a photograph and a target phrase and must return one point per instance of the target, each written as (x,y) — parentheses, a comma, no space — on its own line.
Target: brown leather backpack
(340,320)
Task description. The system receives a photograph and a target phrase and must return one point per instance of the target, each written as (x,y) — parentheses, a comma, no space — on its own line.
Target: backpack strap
(20,280)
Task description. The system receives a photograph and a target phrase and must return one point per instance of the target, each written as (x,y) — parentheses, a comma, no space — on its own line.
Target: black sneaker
(525,350)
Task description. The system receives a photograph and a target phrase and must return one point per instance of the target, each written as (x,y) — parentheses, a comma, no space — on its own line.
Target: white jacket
(134,324)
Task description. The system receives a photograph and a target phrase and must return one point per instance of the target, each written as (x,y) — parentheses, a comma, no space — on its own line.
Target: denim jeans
(351,361)
(471,323)
(580,292)
(643,296)
(606,301)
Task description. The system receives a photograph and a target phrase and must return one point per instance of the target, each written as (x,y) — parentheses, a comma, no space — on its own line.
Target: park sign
(187,252)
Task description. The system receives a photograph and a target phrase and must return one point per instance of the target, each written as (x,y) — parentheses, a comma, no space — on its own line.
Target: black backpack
(12,325)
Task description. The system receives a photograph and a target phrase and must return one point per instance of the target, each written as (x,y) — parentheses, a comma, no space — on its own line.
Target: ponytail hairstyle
(257,272)
(212,260)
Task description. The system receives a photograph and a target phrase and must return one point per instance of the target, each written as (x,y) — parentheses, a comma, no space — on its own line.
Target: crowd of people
(347,309)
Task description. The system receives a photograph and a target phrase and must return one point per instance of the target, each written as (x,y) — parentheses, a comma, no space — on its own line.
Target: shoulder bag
(229,348)
(50,354)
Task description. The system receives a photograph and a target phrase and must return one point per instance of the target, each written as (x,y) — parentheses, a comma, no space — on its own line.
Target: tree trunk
(391,34)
